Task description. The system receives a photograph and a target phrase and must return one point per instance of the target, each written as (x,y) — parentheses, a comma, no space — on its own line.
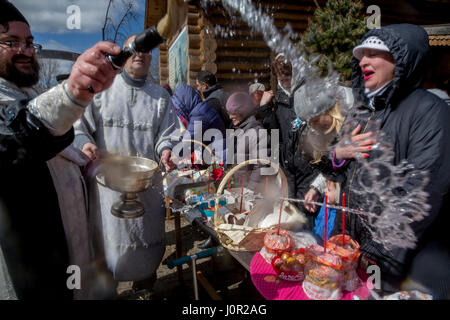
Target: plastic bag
(320,222)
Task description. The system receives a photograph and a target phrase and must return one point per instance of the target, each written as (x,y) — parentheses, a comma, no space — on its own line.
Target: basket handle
(213,157)
(233,171)
(165,173)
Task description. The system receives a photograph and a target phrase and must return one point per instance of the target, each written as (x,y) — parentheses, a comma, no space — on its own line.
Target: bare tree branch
(114,32)
(106,20)
(130,6)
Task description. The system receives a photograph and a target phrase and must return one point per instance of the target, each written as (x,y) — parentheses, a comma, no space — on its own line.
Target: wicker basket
(246,238)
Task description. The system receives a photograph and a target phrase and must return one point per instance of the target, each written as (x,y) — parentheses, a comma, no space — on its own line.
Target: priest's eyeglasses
(16,45)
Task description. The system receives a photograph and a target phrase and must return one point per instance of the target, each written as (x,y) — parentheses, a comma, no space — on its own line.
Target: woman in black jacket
(388,67)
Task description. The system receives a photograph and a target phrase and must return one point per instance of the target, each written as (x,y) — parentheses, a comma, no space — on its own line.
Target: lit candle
(325,225)
(343,219)
(209,180)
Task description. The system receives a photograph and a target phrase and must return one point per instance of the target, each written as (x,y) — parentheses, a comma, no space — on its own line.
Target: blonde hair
(322,141)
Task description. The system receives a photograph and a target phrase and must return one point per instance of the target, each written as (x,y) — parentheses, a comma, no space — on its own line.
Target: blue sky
(48,22)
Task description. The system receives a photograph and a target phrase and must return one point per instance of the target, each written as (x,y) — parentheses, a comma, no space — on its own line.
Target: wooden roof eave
(438,34)
(437,29)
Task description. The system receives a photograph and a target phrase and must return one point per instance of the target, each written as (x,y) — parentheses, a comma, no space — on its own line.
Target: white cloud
(55,45)
(50,15)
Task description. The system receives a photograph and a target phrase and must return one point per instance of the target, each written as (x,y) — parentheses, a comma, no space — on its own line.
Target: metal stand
(128,207)
(194,276)
(197,274)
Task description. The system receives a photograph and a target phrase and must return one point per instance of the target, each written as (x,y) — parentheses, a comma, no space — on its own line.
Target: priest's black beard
(21,79)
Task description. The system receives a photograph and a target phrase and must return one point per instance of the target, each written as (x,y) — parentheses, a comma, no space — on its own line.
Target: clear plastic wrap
(275,244)
(349,253)
(323,274)
(278,242)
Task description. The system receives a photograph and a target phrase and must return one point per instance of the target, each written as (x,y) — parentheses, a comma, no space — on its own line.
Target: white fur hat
(370,43)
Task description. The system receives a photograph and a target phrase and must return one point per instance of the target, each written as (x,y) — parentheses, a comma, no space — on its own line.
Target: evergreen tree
(333,33)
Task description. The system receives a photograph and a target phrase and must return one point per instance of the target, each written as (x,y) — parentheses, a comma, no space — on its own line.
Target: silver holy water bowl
(128,175)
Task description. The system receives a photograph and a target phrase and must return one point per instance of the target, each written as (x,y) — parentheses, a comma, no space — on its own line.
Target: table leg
(168,211)
(207,286)
(178,244)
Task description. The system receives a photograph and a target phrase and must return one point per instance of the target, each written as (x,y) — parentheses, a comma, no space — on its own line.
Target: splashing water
(389,197)
(393,195)
(261,22)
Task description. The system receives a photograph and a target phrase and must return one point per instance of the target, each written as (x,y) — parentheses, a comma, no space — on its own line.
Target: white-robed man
(134,117)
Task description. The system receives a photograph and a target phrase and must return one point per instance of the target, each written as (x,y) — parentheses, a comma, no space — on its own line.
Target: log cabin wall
(201,51)
(236,60)
(245,57)
(439,35)
(202,45)
(438,75)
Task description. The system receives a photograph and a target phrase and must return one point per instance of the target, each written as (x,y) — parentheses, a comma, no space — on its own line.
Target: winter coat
(216,92)
(189,105)
(416,123)
(31,233)
(253,147)
(266,114)
(217,106)
(217,97)
(441,94)
(192,109)
(297,168)
(285,114)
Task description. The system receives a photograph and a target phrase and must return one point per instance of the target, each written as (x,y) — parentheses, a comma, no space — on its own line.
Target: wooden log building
(245,57)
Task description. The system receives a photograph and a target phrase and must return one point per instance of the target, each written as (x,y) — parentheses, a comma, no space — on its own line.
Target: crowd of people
(53,214)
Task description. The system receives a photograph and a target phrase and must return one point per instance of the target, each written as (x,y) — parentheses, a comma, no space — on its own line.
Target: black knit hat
(8,13)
